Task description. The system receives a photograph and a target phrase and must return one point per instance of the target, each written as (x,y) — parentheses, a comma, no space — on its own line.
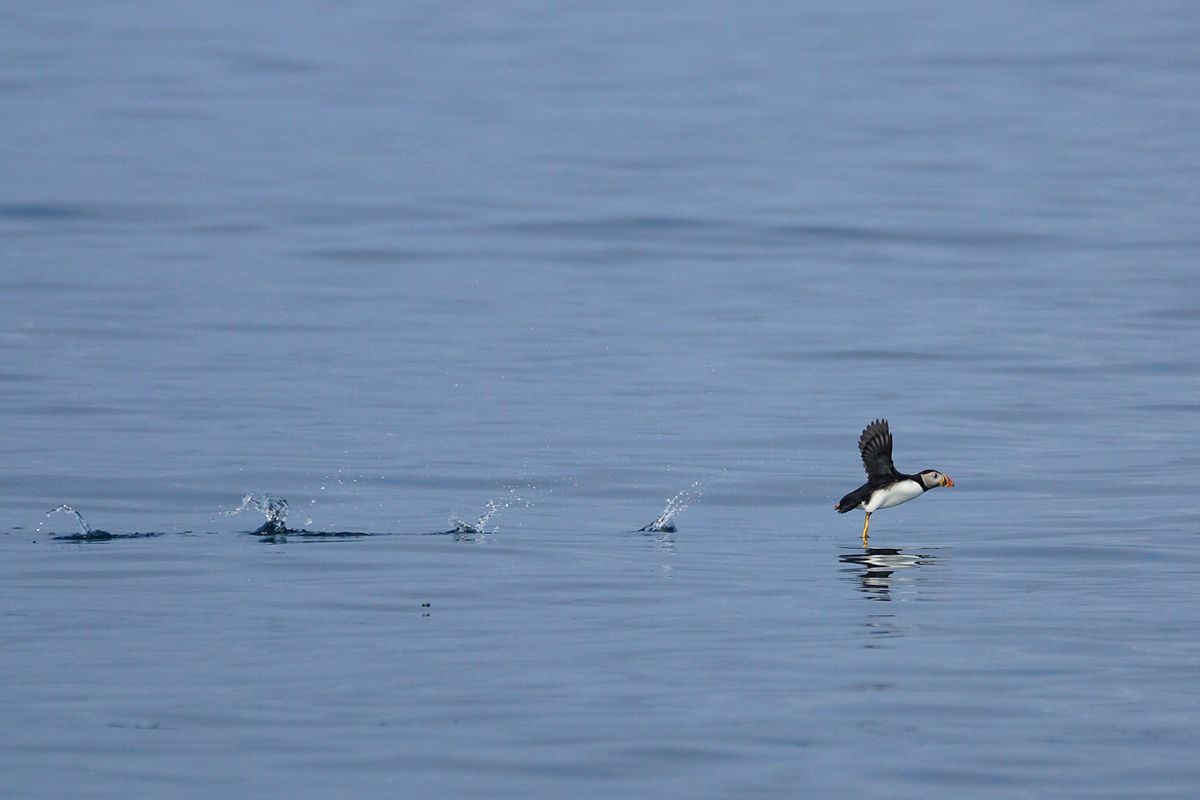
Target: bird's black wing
(875,444)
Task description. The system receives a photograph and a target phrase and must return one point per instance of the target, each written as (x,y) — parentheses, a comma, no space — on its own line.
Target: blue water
(397,262)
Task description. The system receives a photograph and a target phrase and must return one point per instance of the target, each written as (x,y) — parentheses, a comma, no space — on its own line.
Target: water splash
(275,509)
(665,522)
(85,530)
(490,510)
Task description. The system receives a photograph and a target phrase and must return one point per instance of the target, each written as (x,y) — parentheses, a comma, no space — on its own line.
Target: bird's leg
(866,525)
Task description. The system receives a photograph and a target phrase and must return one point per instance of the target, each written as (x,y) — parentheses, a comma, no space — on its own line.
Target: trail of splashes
(274,508)
(665,522)
(84,529)
(493,507)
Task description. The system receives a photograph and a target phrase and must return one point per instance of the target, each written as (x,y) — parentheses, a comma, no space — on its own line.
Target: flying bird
(885,487)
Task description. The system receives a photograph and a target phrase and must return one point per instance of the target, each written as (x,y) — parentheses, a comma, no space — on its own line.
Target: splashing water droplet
(274,508)
(665,522)
(490,510)
(84,530)
(461,526)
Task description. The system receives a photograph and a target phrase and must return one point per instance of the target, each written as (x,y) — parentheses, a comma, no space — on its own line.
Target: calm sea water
(395,262)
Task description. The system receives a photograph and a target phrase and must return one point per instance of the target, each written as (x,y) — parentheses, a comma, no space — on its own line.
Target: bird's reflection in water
(882,571)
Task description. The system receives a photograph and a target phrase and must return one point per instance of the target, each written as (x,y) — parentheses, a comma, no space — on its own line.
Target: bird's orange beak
(946,481)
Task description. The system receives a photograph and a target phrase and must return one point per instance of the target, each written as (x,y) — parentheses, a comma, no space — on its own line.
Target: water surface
(394,264)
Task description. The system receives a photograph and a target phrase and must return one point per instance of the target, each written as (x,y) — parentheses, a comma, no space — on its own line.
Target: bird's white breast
(893,495)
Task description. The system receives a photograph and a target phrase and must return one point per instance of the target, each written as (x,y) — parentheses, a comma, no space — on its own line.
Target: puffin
(885,486)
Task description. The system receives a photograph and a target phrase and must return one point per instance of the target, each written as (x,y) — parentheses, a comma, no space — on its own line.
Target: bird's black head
(931,479)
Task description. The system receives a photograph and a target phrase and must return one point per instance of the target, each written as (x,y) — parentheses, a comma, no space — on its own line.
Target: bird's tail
(854,499)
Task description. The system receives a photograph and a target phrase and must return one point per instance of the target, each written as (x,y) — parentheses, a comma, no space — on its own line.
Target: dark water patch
(217,229)
(640,165)
(954,237)
(156,114)
(273,527)
(1182,408)
(960,777)
(1186,365)
(114,333)
(1078,550)
(882,355)
(303,535)
(137,724)
(460,477)
(1179,313)
(358,215)
(266,327)
(993,61)
(265,64)
(105,536)
(46,212)
(679,230)
(42,284)
(463,528)
(274,535)
(631,238)
(75,411)
(370,255)
(18,377)
(464,532)
(1144,247)
(937,165)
